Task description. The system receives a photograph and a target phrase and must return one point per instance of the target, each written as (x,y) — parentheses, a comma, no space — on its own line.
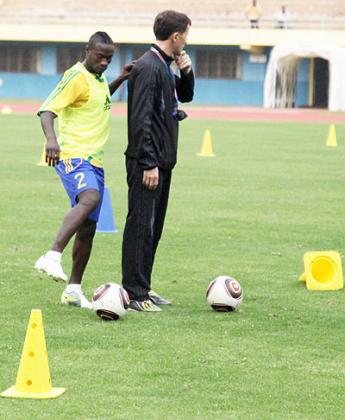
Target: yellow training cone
(33,377)
(43,162)
(323,270)
(206,148)
(332,136)
(6,110)
(303,277)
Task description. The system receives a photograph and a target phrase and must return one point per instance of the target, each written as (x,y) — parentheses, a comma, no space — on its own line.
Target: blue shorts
(79,175)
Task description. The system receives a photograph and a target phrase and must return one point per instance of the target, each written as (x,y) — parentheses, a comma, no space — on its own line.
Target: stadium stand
(313,14)
(41,38)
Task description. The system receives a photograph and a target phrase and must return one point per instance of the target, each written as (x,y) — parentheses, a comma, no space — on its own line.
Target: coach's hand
(184,62)
(151,178)
(52,152)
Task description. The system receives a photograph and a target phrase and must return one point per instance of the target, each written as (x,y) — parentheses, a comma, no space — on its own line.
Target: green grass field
(273,192)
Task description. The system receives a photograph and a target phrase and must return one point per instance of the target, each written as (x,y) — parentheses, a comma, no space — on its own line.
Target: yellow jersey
(82,103)
(254,12)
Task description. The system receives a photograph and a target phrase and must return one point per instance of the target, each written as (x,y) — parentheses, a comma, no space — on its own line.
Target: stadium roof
(144,35)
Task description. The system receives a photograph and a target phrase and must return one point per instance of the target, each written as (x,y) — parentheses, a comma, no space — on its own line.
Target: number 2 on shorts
(80,177)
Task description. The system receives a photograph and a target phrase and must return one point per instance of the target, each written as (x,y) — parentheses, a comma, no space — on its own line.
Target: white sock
(54,255)
(73,288)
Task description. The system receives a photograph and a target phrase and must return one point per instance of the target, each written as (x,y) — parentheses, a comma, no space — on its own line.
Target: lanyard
(171,74)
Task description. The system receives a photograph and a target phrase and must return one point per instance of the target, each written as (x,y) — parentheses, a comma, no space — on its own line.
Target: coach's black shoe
(158,300)
(143,306)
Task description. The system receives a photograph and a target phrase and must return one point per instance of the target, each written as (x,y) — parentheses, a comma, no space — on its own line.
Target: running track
(218,113)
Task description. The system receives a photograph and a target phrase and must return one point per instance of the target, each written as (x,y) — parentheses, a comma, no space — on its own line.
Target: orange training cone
(33,377)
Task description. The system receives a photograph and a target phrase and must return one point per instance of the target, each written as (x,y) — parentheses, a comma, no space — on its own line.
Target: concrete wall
(247,91)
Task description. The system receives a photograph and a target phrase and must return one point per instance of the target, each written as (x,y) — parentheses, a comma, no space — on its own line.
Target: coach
(161,77)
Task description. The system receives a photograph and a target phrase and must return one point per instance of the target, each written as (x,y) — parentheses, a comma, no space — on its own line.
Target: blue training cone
(106,221)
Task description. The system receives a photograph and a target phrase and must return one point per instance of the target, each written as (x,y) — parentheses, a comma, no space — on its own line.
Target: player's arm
(72,91)
(115,84)
(52,146)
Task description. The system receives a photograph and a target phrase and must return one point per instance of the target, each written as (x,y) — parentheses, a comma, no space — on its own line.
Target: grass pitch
(271,193)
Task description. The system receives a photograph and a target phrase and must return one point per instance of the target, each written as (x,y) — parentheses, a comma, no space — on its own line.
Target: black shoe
(143,306)
(158,300)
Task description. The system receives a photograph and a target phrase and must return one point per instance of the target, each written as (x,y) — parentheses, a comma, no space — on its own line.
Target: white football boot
(51,265)
(75,298)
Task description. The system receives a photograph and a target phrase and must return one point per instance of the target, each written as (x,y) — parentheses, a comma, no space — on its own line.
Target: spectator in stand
(282,18)
(253,13)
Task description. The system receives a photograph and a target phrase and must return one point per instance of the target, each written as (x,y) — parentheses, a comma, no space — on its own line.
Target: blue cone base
(106,221)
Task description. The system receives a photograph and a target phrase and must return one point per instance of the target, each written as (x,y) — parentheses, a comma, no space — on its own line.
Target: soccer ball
(224,294)
(110,301)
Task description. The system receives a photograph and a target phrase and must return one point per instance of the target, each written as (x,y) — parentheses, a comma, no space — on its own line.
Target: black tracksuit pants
(144,226)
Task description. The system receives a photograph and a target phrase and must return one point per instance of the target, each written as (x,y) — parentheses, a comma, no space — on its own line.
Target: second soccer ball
(224,294)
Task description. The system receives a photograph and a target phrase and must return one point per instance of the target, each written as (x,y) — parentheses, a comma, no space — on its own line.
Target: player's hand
(184,62)
(127,70)
(151,178)
(52,152)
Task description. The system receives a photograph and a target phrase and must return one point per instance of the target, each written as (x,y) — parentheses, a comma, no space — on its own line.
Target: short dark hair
(99,37)
(168,22)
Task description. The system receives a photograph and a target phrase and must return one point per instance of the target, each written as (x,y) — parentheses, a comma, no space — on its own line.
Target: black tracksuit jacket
(152,126)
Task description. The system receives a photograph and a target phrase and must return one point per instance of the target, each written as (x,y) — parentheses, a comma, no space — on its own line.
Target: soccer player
(81,101)
(153,119)
(254,13)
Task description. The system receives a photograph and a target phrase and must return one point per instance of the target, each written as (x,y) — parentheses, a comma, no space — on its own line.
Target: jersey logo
(99,78)
(107,103)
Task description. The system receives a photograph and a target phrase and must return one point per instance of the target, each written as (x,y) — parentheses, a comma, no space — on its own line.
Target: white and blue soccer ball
(224,294)
(110,301)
